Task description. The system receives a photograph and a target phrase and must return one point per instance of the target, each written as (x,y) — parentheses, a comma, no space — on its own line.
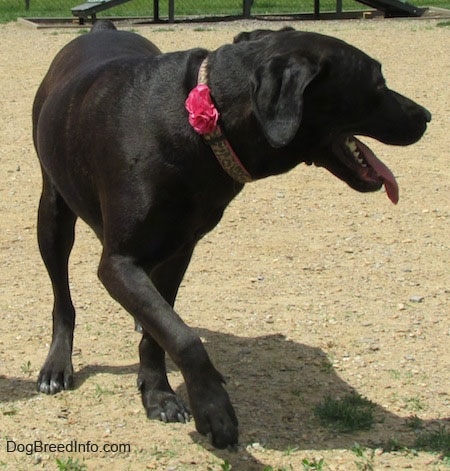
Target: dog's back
(88,53)
(103,25)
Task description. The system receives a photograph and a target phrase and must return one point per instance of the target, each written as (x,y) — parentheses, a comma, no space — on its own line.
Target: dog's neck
(220,145)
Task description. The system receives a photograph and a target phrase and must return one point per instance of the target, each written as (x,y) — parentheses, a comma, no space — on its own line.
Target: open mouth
(362,168)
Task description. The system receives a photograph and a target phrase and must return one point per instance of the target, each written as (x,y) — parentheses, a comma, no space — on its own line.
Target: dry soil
(305,289)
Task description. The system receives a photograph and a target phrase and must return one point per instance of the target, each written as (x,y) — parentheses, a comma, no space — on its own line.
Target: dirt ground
(305,289)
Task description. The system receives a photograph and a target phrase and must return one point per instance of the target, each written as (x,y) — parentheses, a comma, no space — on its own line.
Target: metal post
(155,10)
(171,11)
(316,9)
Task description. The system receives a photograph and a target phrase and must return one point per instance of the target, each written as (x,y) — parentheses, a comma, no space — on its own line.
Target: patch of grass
(405,375)
(414,403)
(166,453)
(326,366)
(70,465)
(10,411)
(394,445)
(394,374)
(226,466)
(271,468)
(352,412)
(436,441)
(99,391)
(26,368)
(164,30)
(313,465)
(290,450)
(414,422)
(201,29)
(443,24)
(365,457)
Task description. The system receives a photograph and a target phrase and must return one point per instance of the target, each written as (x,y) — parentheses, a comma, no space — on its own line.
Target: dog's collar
(203,117)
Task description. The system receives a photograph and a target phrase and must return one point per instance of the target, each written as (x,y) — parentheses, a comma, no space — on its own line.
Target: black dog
(121,149)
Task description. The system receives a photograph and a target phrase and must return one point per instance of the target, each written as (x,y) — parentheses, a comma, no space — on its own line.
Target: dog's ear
(277,96)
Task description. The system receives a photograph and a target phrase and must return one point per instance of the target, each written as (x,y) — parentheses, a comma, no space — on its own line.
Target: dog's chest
(209,209)
(207,218)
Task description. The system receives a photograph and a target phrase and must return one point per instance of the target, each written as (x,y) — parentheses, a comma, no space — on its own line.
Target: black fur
(116,150)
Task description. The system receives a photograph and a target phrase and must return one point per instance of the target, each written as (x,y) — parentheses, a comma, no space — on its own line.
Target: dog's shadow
(275,385)
(17,388)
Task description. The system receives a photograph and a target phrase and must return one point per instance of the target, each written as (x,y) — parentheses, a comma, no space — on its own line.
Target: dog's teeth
(351,145)
(353,148)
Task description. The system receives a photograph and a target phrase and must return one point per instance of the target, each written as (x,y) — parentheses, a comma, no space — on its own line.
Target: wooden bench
(246,7)
(92,7)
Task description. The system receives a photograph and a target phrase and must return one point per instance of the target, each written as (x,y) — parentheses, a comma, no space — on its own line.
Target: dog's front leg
(129,284)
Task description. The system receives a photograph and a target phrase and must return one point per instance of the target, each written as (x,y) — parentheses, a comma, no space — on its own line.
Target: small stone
(416,299)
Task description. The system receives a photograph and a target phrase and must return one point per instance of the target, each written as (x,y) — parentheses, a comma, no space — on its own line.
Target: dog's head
(312,94)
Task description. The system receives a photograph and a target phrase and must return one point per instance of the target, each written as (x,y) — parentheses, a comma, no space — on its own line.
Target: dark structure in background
(390,8)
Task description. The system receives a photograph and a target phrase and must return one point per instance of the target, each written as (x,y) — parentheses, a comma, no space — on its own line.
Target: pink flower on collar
(203,115)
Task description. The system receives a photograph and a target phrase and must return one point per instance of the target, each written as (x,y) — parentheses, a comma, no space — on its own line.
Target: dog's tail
(103,25)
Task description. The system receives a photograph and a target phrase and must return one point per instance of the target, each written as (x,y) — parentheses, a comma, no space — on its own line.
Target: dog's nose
(427,115)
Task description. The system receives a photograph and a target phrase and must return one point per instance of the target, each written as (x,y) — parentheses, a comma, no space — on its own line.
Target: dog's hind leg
(159,399)
(56,224)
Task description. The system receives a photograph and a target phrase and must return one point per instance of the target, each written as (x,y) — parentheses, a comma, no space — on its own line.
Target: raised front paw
(215,417)
(54,377)
(164,405)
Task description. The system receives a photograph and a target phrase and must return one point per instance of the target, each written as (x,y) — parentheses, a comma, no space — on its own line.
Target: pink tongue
(389,181)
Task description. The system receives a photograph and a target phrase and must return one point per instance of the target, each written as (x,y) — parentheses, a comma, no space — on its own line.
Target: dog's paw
(215,417)
(53,378)
(165,406)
